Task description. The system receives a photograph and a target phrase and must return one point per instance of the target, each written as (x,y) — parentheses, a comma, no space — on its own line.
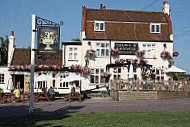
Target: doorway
(18,81)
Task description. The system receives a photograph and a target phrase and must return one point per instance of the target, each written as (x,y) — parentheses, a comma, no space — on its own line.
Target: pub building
(115,44)
(121,44)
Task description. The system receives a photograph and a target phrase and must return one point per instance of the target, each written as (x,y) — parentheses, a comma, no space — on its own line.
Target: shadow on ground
(19,116)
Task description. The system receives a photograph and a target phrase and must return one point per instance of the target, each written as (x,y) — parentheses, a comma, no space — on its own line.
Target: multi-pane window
(155,28)
(102,49)
(73,53)
(149,50)
(99,26)
(41,84)
(96,76)
(117,73)
(2,78)
(63,84)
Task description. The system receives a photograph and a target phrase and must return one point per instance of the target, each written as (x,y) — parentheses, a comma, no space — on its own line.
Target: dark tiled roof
(125,25)
(22,57)
(133,32)
(125,16)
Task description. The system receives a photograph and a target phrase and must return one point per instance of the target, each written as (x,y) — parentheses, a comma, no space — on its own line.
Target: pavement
(59,106)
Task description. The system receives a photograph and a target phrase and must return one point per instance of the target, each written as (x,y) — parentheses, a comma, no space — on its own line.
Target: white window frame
(99,74)
(117,73)
(149,49)
(2,78)
(73,53)
(99,23)
(63,84)
(40,84)
(155,28)
(102,51)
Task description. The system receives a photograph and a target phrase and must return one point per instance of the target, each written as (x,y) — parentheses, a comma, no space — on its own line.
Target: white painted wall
(66,55)
(101,62)
(7,78)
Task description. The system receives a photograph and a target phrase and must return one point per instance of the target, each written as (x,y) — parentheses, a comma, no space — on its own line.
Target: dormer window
(99,26)
(155,28)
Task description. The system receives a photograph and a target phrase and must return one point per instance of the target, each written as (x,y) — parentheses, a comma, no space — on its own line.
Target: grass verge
(163,119)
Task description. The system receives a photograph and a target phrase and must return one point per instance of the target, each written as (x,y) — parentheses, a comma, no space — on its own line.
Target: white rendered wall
(66,55)
(7,78)
(101,62)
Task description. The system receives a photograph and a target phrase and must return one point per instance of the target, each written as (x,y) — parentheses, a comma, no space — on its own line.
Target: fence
(135,85)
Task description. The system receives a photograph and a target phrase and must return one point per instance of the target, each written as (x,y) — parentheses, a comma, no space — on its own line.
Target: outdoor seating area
(7,97)
(45,95)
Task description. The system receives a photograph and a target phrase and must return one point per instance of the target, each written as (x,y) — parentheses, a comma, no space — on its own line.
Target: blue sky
(16,15)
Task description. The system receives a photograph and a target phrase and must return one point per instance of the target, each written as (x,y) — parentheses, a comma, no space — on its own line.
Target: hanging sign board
(126,48)
(48,39)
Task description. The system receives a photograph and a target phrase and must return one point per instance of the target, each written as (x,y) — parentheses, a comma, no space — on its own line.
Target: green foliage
(4,50)
(178,77)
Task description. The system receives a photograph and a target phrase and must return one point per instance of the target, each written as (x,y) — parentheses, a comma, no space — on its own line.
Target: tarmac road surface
(94,105)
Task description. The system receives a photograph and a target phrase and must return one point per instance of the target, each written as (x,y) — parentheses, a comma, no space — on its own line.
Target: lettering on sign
(126,48)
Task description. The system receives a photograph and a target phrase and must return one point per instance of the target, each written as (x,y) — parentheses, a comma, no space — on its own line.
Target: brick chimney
(11,47)
(166,8)
(102,6)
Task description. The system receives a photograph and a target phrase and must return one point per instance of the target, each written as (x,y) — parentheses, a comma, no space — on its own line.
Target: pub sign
(126,48)
(48,39)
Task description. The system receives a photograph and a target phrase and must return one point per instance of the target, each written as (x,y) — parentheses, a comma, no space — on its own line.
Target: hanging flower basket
(76,67)
(165,55)
(135,61)
(114,52)
(142,61)
(86,70)
(175,54)
(140,54)
(90,53)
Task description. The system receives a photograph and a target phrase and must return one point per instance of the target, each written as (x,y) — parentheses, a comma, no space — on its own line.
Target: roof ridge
(123,10)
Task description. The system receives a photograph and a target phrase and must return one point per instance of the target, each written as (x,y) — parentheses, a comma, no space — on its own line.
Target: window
(41,84)
(149,50)
(99,26)
(155,28)
(53,83)
(62,83)
(2,78)
(96,76)
(73,53)
(102,49)
(117,73)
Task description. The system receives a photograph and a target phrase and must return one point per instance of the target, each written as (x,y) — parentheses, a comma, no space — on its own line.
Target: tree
(4,50)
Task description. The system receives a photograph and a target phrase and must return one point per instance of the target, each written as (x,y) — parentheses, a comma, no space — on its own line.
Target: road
(94,105)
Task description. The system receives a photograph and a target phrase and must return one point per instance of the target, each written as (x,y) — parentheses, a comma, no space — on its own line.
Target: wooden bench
(74,96)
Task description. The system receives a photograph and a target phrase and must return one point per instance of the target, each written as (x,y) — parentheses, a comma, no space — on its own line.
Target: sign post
(48,41)
(32,67)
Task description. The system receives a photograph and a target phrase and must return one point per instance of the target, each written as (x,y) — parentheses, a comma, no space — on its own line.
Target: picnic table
(6,97)
(74,96)
(41,95)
